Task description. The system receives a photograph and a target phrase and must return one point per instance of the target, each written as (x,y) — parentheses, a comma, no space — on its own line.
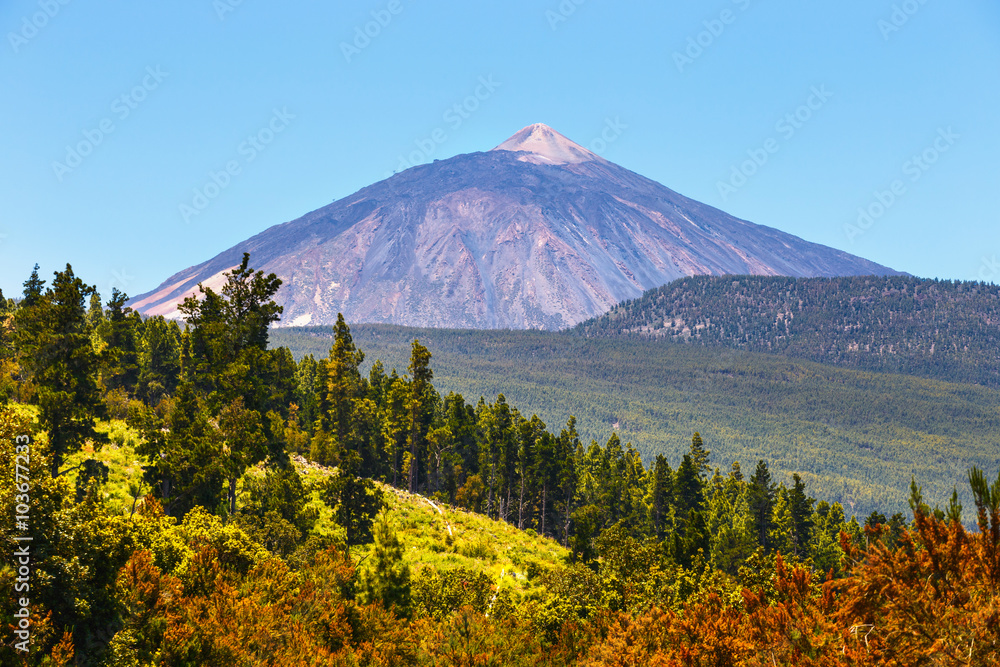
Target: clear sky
(791,114)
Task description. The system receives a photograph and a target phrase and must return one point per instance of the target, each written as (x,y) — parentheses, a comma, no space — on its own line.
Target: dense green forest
(855,437)
(197,496)
(947,330)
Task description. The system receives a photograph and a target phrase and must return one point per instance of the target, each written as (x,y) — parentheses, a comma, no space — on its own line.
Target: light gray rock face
(537,233)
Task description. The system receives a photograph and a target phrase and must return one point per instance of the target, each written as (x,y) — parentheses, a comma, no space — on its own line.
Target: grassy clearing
(501,551)
(475,542)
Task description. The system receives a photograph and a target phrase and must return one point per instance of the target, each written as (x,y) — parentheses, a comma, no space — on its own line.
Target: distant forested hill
(938,329)
(856,437)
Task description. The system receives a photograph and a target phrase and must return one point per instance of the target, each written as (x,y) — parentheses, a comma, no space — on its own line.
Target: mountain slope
(537,233)
(939,329)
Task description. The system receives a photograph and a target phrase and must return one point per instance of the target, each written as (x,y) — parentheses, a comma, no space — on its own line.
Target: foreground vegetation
(198,498)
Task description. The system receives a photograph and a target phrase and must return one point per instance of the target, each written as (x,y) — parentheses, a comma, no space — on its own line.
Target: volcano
(537,233)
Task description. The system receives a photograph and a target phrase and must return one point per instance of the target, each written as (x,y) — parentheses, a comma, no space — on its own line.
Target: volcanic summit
(537,233)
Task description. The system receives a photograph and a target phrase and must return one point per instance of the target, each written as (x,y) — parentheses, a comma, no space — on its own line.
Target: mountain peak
(546,236)
(546,146)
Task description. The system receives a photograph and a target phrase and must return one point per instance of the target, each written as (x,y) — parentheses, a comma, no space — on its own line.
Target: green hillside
(855,437)
(946,330)
(436,538)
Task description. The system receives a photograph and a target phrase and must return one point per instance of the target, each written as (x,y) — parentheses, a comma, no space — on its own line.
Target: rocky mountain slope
(537,233)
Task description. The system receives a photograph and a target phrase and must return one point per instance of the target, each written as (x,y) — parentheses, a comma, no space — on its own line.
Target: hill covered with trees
(947,330)
(197,496)
(856,437)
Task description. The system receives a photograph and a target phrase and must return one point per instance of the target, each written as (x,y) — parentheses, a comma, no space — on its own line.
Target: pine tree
(460,418)
(344,387)
(761,500)
(159,359)
(529,433)
(611,480)
(33,290)
(249,309)
(440,444)
(394,417)
(729,523)
(568,451)
(782,535)
(387,581)
(183,455)
(121,334)
(801,507)
(661,497)
(243,444)
(355,501)
(636,514)
(420,407)
(229,335)
(498,445)
(824,543)
(546,474)
(699,455)
(53,337)
(688,496)
(95,314)
(307,389)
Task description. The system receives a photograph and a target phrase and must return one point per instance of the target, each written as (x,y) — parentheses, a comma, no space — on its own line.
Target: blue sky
(121,119)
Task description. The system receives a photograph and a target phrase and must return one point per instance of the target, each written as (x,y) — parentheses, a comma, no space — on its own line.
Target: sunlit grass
(474,543)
